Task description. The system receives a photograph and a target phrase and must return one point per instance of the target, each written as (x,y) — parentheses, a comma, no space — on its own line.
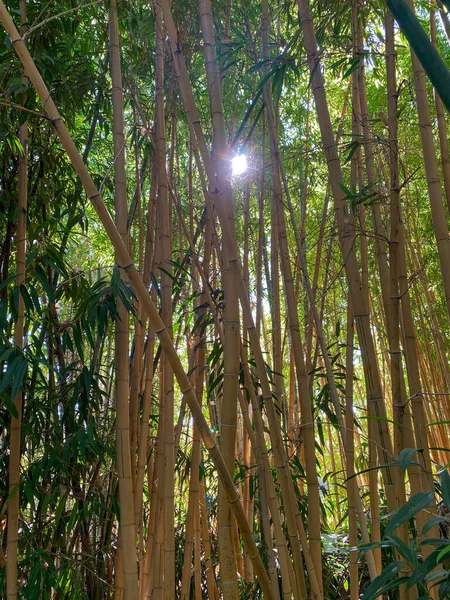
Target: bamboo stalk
(350,459)
(165,244)
(147,392)
(151,520)
(393,322)
(227,563)
(268,498)
(275,305)
(247,446)
(139,333)
(307,423)
(157,589)
(145,427)
(197,554)
(259,260)
(193,504)
(192,537)
(135,380)
(148,575)
(124,470)
(211,584)
(16,420)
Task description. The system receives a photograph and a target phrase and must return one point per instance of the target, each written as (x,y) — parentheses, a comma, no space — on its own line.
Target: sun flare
(239,164)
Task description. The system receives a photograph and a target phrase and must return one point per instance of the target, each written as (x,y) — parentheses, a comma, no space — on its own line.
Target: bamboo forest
(224,300)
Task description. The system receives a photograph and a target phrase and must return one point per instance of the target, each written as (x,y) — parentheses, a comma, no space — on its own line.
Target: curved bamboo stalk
(128,266)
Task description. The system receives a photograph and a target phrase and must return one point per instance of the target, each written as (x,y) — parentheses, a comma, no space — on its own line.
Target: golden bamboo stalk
(211,584)
(165,244)
(151,521)
(352,490)
(192,535)
(16,420)
(124,470)
(227,562)
(269,500)
(144,428)
(393,317)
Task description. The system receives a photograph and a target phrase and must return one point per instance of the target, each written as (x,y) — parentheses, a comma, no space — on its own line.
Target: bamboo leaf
(423,569)
(19,376)
(432,523)
(412,507)
(383,582)
(444,478)
(354,64)
(405,457)
(403,549)
(10,372)
(442,554)
(7,281)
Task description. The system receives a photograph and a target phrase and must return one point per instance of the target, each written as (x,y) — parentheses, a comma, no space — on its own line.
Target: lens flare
(239,164)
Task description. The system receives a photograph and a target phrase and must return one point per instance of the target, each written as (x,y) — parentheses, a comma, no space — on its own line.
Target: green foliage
(68,494)
(423,572)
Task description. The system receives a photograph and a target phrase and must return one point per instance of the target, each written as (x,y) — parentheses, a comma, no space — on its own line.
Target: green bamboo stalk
(429,57)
